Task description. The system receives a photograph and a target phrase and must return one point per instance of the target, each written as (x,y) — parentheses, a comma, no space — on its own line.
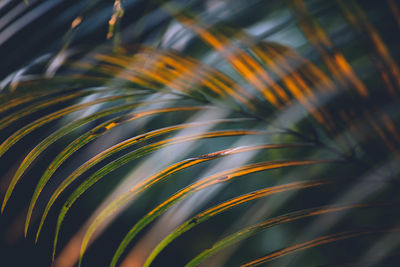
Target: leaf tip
(3,205)
(37,236)
(53,255)
(26,229)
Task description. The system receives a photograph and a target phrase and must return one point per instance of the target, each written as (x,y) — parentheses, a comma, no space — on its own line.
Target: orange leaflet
(215,80)
(257,194)
(309,244)
(293,82)
(283,57)
(241,62)
(180,74)
(336,63)
(390,127)
(355,15)
(395,10)
(345,67)
(382,135)
(21,99)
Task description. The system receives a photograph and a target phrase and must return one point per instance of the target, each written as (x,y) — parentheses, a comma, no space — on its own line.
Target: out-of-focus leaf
(175,71)
(313,243)
(322,75)
(243,63)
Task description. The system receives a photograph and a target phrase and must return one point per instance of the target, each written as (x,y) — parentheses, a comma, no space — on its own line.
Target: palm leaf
(155,108)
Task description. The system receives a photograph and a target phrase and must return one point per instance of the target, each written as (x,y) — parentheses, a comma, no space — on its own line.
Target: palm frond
(160,124)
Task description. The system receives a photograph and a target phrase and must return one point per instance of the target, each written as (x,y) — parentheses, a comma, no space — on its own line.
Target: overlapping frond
(195,115)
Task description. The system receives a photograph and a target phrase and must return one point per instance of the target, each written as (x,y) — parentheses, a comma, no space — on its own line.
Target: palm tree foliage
(213,132)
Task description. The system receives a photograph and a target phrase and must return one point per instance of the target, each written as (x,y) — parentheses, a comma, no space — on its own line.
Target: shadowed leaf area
(199,133)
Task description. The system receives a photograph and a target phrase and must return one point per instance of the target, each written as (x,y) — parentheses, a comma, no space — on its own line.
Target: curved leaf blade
(252,230)
(41,105)
(77,144)
(156,177)
(133,155)
(189,224)
(9,142)
(11,100)
(313,243)
(204,183)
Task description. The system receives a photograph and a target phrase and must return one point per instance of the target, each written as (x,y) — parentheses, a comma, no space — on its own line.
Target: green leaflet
(41,105)
(34,153)
(39,122)
(34,89)
(51,117)
(158,176)
(10,100)
(128,157)
(204,183)
(221,208)
(339,94)
(252,230)
(77,144)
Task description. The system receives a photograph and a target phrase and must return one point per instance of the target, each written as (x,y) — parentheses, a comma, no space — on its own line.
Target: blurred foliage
(215,132)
